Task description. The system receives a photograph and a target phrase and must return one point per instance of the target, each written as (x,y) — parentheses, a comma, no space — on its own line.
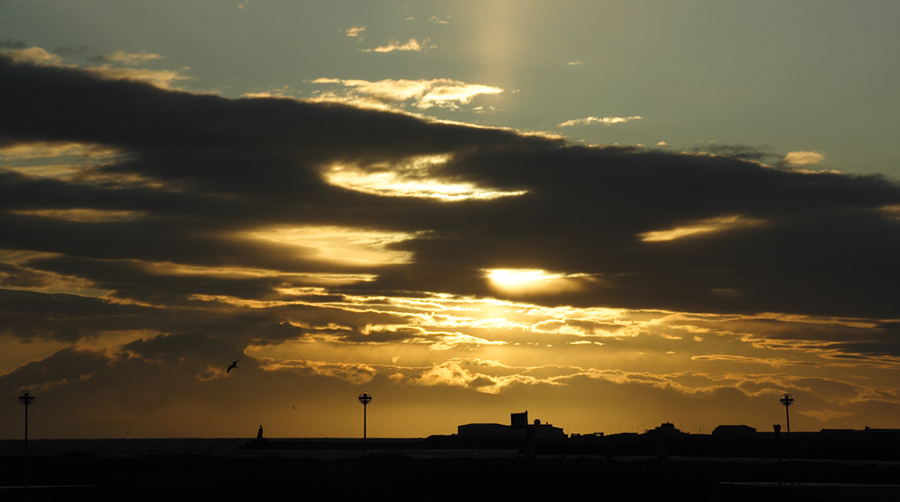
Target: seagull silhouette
(233,365)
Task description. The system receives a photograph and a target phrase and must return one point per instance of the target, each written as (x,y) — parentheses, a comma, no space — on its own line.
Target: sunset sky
(611,214)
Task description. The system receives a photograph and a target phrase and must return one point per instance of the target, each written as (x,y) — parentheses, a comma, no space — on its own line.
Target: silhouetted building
(870,434)
(837,434)
(734,432)
(486,430)
(547,431)
(666,429)
(518,423)
(588,435)
(518,420)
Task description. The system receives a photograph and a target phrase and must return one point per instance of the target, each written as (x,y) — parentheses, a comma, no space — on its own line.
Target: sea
(697,485)
(230,448)
(224,448)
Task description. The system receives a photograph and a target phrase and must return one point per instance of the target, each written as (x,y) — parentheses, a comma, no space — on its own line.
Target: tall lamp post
(26,399)
(364,398)
(787,400)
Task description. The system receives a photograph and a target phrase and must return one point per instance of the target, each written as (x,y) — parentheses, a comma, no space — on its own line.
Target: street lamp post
(787,400)
(364,398)
(26,399)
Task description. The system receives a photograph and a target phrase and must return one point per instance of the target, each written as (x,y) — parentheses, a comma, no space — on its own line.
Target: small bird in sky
(233,365)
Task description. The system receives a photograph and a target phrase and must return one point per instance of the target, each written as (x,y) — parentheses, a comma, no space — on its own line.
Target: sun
(514,278)
(514,281)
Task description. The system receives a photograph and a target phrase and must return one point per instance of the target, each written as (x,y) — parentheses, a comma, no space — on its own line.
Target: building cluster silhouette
(536,437)
(667,440)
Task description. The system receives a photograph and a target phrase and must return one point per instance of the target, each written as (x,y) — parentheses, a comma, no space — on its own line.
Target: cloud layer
(156,232)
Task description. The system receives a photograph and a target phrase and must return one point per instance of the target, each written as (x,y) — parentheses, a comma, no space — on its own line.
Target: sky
(611,214)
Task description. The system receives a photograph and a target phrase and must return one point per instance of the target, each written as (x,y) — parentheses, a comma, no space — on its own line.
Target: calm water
(220,447)
(230,448)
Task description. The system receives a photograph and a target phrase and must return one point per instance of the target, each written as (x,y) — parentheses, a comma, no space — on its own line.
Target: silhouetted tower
(787,400)
(26,399)
(364,398)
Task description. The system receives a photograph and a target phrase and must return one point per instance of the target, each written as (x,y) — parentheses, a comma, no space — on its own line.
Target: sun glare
(532,281)
(340,245)
(892,212)
(84,215)
(408,179)
(699,228)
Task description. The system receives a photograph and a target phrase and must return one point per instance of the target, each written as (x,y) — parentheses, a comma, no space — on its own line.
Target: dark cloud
(12,43)
(69,50)
(148,252)
(745,152)
(67,365)
(820,244)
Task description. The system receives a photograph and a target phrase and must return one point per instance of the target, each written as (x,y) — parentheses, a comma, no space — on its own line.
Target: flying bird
(233,365)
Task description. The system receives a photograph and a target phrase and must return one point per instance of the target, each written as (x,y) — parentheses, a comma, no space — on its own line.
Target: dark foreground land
(402,477)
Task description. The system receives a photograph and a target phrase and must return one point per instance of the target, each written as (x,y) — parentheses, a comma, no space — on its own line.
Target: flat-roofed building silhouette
(734,432)
(518,424)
